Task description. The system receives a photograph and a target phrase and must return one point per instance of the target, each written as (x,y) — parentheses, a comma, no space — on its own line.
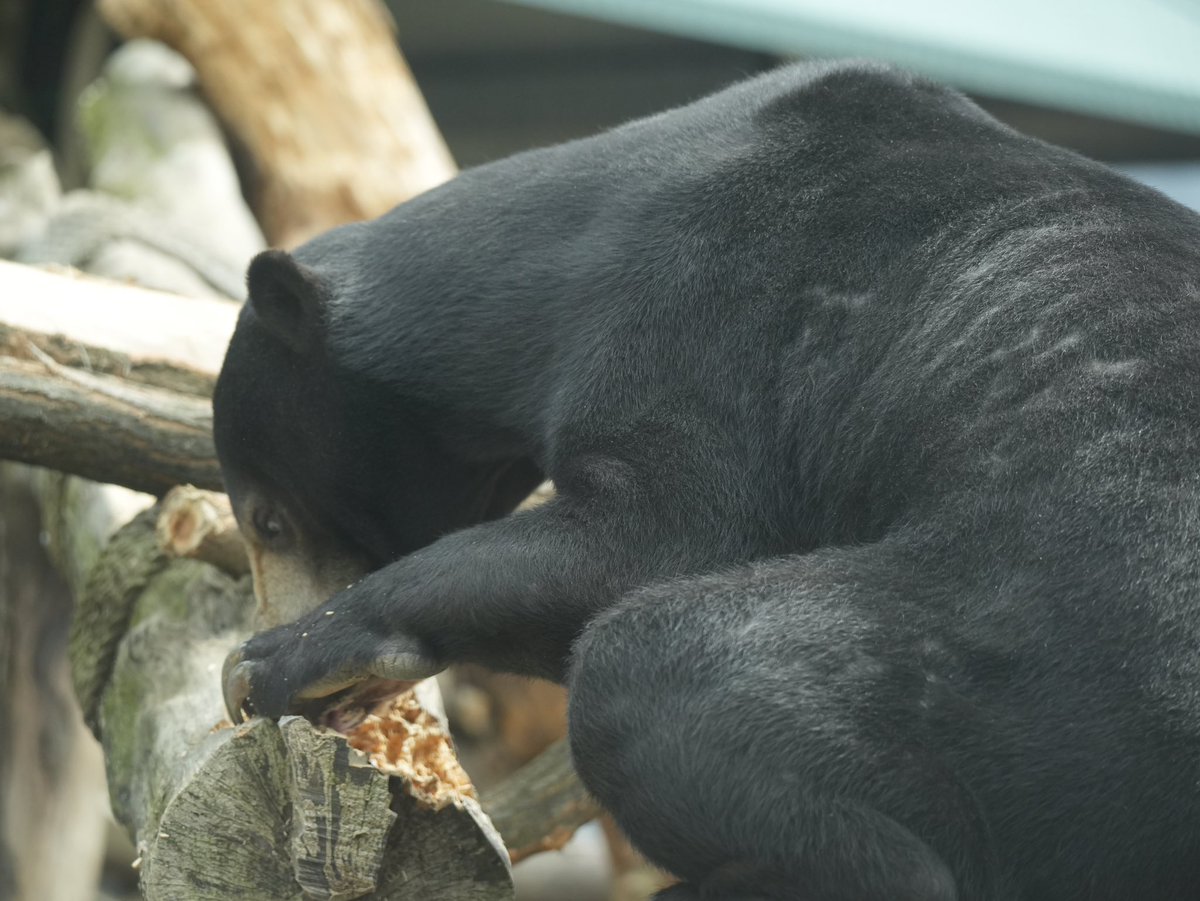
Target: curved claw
(235,684)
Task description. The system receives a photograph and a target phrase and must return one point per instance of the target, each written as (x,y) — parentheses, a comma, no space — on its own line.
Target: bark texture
(142,324)
(261,810)
(540,806)
(104,428)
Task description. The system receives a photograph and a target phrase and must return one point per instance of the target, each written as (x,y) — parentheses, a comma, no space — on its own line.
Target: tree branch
(539,807)
(21,344)
(187,332)
(104,428)
(122,415)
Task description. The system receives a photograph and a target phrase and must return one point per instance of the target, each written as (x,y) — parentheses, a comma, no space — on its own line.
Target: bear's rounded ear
(287,298)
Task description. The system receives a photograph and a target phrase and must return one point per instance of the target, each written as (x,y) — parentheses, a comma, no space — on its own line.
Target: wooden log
(318,93)
(539,807)
(119,414)
(257,810)
(190,332)
(104,428)
(35,346)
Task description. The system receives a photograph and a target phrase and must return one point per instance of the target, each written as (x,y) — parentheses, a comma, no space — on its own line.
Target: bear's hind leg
(758,733)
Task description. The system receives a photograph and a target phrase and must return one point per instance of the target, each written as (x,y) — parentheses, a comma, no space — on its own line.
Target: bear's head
(332,471)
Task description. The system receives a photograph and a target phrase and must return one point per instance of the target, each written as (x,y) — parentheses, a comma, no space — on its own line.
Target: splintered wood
(200,525)
(404,739)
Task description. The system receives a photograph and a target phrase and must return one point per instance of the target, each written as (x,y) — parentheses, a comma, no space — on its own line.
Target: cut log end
(199,525)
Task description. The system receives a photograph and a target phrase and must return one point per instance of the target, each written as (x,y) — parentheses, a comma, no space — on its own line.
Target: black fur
(875,566)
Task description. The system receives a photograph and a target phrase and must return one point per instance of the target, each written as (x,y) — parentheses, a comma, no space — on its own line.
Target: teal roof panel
(1137,60)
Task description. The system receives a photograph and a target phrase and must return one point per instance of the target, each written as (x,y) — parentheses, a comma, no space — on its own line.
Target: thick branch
(146,325)
(104,428)
(260,810)
(35,346)
(539,807)
(121,413)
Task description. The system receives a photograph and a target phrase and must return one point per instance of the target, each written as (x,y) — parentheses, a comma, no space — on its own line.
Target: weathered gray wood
(129,563)
(340,817)
(466,847)
(256,810)
(22,344)
(220,833)
(145,324)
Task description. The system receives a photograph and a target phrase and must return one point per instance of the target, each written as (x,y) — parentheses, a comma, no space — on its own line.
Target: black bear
(874,567)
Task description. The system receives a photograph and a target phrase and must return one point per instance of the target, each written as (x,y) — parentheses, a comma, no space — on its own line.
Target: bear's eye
(268,524)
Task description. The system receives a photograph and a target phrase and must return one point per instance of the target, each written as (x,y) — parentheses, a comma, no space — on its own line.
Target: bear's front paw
(313,671)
